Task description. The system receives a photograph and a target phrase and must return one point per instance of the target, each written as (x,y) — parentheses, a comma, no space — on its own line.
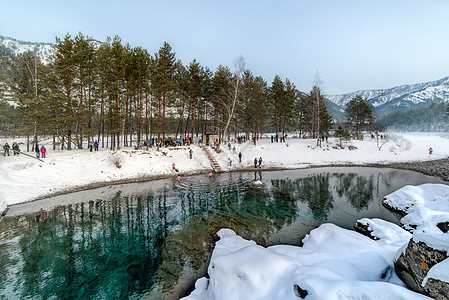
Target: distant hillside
(401,98)
(11,47)
(432,118)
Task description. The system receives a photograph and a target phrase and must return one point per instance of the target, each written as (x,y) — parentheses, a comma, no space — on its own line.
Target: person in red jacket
(43,151)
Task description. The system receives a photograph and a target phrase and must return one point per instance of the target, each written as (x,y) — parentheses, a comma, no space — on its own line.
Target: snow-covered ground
(23,178)
(333,263)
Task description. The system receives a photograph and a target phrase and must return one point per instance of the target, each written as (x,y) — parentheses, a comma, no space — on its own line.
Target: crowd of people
(15,149)
(167,142)
(276,138)
(40,151)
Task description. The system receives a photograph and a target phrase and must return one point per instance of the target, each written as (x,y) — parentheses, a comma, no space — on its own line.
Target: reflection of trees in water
(357,189)
(119,247)
(314,190)
(98,249)
(254,213)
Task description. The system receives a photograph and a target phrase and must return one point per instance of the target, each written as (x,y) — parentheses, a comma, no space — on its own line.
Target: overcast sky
(351,44)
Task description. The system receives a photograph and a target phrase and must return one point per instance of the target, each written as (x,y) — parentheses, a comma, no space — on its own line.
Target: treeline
(116,93)
(431,118)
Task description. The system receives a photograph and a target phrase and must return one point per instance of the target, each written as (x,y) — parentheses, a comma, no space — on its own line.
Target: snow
(333,263)
(413,93)
(426,205)
(385,230)
(439,271)
(2,202)
(43,50)
(437,241)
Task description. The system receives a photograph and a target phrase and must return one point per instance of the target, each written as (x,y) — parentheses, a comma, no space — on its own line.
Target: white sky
(353,44)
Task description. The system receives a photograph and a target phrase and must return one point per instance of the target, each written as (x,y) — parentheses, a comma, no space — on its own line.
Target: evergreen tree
(342,134)
(116,100)
(360,115)
(431,118)
(301,110)
(83,54)
(277,93)
(118,92)
(195,77)
(205,105)
(64,85)
(165,83)
(221,85)
(256,110)
(287,106)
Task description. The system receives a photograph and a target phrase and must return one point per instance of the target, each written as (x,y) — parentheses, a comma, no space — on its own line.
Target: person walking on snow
(43,151)
(191,153)
(36,149)
(240,157)
(15,148)
(6,148)
(430,150)
(96,145)
(260,162)
(255,162)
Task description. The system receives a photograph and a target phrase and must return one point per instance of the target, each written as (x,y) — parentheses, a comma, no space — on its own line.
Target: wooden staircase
(214,164)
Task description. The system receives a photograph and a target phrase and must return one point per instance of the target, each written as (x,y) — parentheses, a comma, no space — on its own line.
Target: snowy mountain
(12,47)
(400,98)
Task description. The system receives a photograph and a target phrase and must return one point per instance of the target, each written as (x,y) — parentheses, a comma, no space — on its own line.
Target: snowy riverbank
(24,179)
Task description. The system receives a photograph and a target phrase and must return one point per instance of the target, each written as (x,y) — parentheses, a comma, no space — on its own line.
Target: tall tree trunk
(101,122)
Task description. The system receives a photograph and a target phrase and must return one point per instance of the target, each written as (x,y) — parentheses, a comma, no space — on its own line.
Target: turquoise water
(152,240)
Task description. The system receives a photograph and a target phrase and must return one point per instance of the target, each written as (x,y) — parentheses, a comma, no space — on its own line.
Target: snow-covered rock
(422,263)
(424,206)
(2,203)
(333,263)
(414,263)
(436,281)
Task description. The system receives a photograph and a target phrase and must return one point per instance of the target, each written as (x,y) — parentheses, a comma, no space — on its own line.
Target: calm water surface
(153,239)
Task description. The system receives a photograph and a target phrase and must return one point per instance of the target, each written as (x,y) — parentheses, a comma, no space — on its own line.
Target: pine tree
(256,110)
(288,113)
(221,84)
(360,115)
(277,93)
(64,79)
(165,83)
(83,54)
(117,73)
(195,77)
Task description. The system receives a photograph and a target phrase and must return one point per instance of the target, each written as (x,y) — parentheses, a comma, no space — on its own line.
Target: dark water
(153,239)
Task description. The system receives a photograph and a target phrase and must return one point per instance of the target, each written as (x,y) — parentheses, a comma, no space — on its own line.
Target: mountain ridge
(399,98)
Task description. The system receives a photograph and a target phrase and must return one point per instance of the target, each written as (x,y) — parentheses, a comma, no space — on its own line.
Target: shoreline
(436,168)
